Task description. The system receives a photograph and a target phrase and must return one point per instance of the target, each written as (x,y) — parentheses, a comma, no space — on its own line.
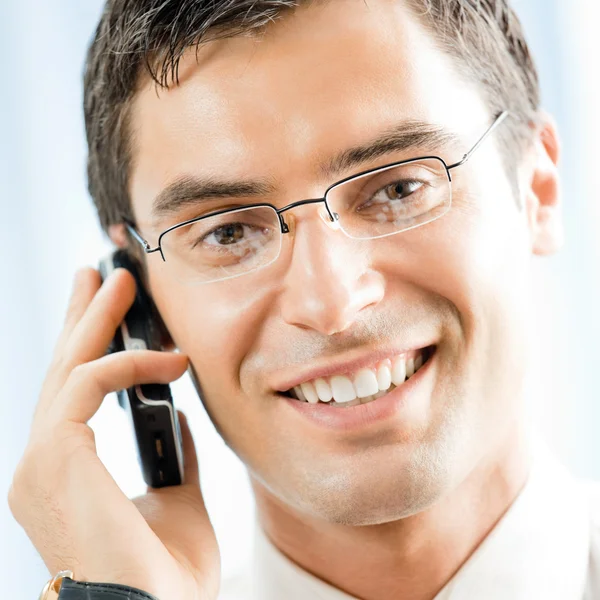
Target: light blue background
(48,229)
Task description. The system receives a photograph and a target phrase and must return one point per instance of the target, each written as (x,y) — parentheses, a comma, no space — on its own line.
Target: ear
(118,236)
(166,340)
(542,189)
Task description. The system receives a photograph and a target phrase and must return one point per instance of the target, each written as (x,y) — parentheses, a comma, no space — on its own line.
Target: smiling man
(340,202)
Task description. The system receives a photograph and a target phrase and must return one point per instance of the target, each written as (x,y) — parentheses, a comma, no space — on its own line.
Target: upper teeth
(365,384)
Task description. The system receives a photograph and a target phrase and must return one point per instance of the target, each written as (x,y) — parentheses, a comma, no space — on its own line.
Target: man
(365,353)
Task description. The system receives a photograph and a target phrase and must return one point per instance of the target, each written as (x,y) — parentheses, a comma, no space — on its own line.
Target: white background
(48,228)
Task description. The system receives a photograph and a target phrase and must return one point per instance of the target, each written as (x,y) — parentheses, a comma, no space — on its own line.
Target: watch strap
(83,590)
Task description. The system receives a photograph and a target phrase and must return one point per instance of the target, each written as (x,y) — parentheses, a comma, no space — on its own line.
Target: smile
(364,385)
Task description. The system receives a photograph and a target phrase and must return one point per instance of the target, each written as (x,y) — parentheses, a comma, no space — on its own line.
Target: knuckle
(126,363)
(75,447)
(14,499)
(35,495)
(83,375)
(44,461)
(60,365)
(75,437)
(80,372)
(133,367)
(28,479)
(19,482)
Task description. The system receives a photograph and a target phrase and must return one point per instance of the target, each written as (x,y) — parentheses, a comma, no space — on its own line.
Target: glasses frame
(500,117)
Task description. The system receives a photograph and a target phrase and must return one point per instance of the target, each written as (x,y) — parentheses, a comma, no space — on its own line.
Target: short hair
(484,37)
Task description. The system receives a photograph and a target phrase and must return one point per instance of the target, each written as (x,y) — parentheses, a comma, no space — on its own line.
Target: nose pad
(324,214)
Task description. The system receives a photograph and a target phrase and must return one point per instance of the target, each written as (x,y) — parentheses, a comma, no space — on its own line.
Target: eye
(226,234)
(399,189)
(392,193)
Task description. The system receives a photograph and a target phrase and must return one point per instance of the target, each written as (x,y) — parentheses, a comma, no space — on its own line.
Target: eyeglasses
(384,201)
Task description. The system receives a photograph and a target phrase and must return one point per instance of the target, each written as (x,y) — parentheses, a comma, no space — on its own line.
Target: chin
(368,494)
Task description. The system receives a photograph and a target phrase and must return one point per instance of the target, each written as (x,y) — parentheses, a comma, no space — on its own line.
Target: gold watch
(52,588)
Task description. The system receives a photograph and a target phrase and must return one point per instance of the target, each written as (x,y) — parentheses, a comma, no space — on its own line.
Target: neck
(411,558)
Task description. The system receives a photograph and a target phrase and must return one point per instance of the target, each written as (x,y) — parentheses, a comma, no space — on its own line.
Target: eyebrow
(409,135)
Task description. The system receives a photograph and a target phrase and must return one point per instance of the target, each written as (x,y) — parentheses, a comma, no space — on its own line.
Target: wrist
(52,588)
(64,587)
(83,590)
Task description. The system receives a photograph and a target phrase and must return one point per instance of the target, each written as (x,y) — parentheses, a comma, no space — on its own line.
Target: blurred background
(49,229)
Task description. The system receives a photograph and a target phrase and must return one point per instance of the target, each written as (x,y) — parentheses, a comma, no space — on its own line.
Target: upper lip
(341,367)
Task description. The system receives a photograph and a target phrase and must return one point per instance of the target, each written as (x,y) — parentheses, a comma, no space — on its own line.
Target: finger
(96,328)
(85,286)
(68,354)
(90,382)
(189,536)
(190,456)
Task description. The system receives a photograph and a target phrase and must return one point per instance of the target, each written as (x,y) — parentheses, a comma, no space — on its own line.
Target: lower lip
(363,415)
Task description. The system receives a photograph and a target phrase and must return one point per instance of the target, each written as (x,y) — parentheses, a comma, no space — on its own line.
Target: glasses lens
(392,199)
(223,246)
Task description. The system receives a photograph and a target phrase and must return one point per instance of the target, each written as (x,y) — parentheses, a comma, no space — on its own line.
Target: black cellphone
(150,406)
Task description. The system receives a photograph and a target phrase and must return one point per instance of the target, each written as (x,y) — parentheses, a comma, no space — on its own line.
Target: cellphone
(150,407)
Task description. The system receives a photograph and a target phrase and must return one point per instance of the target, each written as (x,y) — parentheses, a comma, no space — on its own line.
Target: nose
(329,279)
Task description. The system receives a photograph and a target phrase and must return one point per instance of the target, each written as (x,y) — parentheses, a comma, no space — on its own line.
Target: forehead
(323,78)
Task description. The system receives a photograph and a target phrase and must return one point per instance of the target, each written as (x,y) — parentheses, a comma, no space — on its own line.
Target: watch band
(83,590)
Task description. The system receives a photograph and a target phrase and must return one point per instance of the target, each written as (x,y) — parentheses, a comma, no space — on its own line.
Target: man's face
(322,80)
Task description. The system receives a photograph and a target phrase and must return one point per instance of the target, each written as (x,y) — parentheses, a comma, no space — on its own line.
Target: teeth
(323,390)
(410,367)
(308,389)
(418,362)
(367,399)
(379,394)
(384,377)
(365,383)
(354,402)
(399,370)
(342,388)
(300,394)
(363,386)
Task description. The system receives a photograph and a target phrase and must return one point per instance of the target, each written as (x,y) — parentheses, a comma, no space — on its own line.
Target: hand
(65,499)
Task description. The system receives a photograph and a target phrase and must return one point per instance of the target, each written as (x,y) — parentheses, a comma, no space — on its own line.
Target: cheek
(217,327)
(491,254)
(483,270)
(475,261)
(478,254)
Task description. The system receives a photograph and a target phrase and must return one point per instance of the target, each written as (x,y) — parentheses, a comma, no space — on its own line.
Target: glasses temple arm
(133,231)
(482,139)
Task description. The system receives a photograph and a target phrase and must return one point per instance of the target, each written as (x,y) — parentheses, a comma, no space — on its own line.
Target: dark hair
(484,36)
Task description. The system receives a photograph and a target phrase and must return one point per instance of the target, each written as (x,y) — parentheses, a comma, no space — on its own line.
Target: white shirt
(546,547)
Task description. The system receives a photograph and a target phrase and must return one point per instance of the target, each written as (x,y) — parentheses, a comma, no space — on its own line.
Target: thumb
(178,516)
